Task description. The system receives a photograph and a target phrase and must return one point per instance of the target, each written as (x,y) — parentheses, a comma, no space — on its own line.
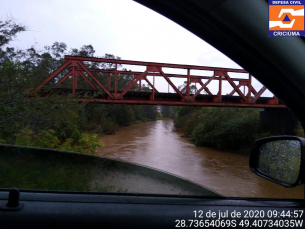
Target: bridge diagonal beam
(150,84)
(94,78)
(63,78)
(233,91)
(86,79)
(129,83)
(132,83)
(170,83)
(186,89)
(235,87)
(258,94)
(203,86)
(253,90)
(183,89)
(53,75)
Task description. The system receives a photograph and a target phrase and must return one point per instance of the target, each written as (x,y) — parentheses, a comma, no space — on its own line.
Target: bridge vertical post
(188,83)
(153,89)
(116,79)
(74,80)
(109,81)
(220,87)
(140,85)
(249,87)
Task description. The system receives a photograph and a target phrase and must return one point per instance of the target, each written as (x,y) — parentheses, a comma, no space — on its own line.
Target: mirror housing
(280,159)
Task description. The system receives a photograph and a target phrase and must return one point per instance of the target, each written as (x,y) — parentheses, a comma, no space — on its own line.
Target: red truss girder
(77,69)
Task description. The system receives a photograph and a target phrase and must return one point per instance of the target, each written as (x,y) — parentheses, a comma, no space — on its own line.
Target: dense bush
(47,139)
(183,115)
(227,128)
(169,111)
(223,128)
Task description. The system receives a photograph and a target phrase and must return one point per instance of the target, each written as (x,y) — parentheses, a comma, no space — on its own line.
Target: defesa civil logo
(286,18)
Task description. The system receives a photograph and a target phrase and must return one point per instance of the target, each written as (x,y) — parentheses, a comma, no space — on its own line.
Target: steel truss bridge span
(196,91)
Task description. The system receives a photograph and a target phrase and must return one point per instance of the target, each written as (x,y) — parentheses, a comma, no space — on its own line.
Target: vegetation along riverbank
(224,128)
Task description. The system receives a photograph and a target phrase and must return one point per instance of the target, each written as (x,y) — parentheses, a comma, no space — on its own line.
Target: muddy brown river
(156,145)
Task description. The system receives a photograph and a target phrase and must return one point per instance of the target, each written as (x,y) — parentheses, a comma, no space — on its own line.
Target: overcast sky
(120,27)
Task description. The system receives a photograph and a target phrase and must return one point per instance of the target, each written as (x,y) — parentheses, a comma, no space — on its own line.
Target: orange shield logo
(287,17)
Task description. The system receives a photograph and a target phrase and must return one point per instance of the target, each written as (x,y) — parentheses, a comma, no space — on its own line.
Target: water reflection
(155,144)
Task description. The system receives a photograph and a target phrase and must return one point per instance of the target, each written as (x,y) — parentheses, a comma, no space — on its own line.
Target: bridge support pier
(278,121)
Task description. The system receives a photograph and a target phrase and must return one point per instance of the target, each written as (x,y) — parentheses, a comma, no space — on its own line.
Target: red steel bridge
(195,92)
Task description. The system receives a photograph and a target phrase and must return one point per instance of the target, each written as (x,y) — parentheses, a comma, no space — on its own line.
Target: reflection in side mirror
(279,159)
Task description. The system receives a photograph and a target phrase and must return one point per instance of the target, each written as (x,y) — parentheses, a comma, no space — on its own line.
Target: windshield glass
(127,103)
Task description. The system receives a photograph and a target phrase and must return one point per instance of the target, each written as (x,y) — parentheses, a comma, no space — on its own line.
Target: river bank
(154,144)
(243,151)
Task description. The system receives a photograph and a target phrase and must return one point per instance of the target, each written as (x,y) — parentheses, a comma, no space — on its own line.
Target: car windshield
(117,98)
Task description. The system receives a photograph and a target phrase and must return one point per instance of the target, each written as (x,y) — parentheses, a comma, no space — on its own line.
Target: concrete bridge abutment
(279,121)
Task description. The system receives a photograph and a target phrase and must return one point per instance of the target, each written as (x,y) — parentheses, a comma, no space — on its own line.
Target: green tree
(8,30)
(22,112)
(169,111)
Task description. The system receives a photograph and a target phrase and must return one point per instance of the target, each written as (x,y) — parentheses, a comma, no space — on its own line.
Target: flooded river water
(156,145)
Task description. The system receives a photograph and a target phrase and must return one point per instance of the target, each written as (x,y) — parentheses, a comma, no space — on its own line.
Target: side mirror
(280,159)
